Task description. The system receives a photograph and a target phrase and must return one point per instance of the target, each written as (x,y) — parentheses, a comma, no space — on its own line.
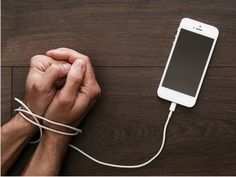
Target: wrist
(35,108)
(56,139)
(24,124)
(19,129)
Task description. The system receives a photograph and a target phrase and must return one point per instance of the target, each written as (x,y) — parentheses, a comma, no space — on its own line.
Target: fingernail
(79,64)
(67,66)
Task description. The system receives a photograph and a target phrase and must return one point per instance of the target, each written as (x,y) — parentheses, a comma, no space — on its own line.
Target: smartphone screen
(188,62)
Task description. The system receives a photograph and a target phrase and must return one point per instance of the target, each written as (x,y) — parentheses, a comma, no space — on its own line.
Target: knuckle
(65,101)
(76,79)
(38,86)
(55,67)
(82,62)
(86,59)
(98,91)
(95,91)
(35,59)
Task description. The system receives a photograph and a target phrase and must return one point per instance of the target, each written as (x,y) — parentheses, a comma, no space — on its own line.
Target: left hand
(42,80)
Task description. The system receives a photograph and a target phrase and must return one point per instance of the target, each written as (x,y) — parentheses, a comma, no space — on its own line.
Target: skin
(68,104)
(14,136)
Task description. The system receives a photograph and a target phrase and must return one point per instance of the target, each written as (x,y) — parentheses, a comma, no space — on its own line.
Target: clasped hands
(61,86)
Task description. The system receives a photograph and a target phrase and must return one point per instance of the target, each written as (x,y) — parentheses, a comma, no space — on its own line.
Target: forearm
(48,156)
(15,134)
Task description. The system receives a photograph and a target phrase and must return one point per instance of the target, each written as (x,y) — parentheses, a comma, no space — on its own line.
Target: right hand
(77,96)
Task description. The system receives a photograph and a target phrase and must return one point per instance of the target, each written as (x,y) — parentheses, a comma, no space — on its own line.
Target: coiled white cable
(37,123)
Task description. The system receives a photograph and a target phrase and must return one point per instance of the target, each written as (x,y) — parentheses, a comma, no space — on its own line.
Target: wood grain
(113,33)
(128,43)
(5,94)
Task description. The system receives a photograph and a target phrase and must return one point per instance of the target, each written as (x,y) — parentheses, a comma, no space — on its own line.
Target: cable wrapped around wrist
(27,111)
(36,122)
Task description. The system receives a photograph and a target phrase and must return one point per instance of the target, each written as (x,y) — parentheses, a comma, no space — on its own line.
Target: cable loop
(36,122)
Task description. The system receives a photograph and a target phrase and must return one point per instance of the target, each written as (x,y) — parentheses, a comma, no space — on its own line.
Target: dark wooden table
(128,43)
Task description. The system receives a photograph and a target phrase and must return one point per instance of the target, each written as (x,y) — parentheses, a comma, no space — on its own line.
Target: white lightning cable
(172,109)
(36,120)
(37,123)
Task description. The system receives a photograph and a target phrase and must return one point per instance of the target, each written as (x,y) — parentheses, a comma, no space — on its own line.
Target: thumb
(74,80)
(55,72)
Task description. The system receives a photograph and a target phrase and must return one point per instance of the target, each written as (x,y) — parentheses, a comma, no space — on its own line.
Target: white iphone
(188,61)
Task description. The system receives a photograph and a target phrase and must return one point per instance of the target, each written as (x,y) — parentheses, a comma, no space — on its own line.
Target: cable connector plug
(172,106)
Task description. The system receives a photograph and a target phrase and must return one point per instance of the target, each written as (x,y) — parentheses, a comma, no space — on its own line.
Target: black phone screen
(188,62)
